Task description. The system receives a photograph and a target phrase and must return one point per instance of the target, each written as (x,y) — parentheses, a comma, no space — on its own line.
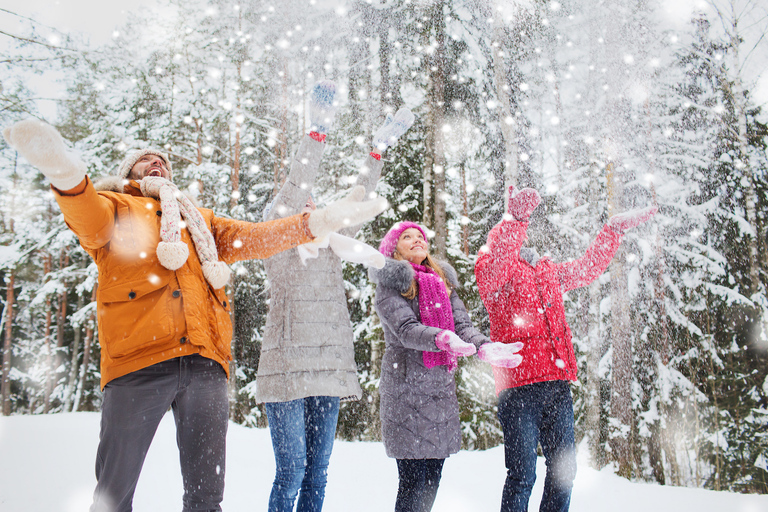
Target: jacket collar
(119,185)
(398,274)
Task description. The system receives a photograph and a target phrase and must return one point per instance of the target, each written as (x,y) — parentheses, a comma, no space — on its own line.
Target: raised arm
(385,136)
(581,272)
(294,193)
(497,261)
(89,215)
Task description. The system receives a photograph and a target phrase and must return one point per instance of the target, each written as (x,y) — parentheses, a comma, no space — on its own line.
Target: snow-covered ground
(46,464)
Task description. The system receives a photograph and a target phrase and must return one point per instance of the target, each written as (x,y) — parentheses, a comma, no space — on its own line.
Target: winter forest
(601,106)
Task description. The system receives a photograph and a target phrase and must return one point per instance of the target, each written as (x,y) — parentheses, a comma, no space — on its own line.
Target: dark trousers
(419,479)
(196,389)
(529,415)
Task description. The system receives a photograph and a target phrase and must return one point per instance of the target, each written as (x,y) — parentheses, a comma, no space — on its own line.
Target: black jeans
(538,413)
(196,389)
(419,479)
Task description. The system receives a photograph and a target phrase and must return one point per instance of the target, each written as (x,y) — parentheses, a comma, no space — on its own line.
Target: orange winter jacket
(147,313)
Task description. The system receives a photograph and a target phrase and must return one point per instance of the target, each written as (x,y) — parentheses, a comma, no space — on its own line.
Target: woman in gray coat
(424,338)
(307,362)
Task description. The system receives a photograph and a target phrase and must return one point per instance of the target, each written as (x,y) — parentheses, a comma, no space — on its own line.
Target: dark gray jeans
(196,389)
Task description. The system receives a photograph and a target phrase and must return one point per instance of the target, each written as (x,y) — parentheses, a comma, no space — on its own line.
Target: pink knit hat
(389,242)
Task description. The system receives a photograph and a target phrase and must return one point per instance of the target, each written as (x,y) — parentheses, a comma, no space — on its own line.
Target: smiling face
(149,165)
(412,246)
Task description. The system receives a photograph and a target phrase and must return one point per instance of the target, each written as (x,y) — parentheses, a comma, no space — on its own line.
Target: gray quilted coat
(419,409)
(308,348)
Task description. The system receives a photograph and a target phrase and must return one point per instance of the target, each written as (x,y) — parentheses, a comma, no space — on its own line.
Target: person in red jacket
(524,298)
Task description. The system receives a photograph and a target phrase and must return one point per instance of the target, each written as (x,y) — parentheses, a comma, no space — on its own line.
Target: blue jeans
(302,437)
(538,413)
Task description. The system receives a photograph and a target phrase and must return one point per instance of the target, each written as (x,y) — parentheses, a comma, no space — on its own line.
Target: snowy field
(46,464)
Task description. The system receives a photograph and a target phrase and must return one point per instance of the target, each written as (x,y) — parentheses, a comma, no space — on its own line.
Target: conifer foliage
(601,106)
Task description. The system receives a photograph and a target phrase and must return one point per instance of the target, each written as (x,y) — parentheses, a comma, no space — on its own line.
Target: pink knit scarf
(435,310)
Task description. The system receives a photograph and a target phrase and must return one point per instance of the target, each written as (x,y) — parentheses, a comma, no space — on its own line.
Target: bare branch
(12,36)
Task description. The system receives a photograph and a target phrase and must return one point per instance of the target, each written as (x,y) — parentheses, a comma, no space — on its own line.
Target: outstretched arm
(89,215)
(586,269)
(497,261)
(581,272)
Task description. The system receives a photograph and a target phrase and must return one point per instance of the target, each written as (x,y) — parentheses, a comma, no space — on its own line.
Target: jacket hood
(111,184)
(398,274)
(124,186)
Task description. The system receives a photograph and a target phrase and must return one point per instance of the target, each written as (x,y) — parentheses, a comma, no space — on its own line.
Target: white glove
(392,129)
(501,354)
(322,107)
(349,211)
(449,342)
(348,249)
(43,147)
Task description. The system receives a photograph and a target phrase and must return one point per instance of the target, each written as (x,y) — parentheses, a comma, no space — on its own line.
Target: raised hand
(322,106)
(501,354)
(628,220)
(392,129)
(449,342)
(349,211)
(42,146)
(522,203)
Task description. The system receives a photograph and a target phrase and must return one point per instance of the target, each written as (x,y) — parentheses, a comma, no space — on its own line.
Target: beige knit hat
(129,161)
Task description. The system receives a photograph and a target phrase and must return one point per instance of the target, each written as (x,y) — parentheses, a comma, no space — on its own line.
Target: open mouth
(155,172)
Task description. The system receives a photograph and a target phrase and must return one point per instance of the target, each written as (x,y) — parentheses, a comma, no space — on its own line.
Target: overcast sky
(99,19)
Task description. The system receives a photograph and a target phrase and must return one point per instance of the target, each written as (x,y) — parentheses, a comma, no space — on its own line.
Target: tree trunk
(387,100)
(281,146)
(503,94)
(739,98)
(594,424)
(7,345)
(621,383)
(61,321)
(437,160)
(47,265)
(90,330)
(73,367)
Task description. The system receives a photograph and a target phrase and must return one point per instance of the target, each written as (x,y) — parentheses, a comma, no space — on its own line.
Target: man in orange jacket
(163,315)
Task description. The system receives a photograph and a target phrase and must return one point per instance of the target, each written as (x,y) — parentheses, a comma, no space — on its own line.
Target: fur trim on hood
(118,184)
(111,184)
(398,274)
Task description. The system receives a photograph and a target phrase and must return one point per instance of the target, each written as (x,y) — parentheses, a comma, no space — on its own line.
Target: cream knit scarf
(171,251)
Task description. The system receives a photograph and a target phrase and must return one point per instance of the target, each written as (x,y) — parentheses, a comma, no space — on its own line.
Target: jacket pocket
(222,309)
(134,316)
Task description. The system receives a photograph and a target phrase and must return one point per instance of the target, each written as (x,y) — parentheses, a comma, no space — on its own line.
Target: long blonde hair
(430,262)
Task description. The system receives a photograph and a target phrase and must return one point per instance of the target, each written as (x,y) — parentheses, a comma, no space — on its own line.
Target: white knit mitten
(504,355)
(43,147)
(348,249)
(448,341)
(392,129)
(349,211)
(322,106)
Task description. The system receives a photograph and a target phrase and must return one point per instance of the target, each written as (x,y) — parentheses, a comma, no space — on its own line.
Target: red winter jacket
(525,303)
